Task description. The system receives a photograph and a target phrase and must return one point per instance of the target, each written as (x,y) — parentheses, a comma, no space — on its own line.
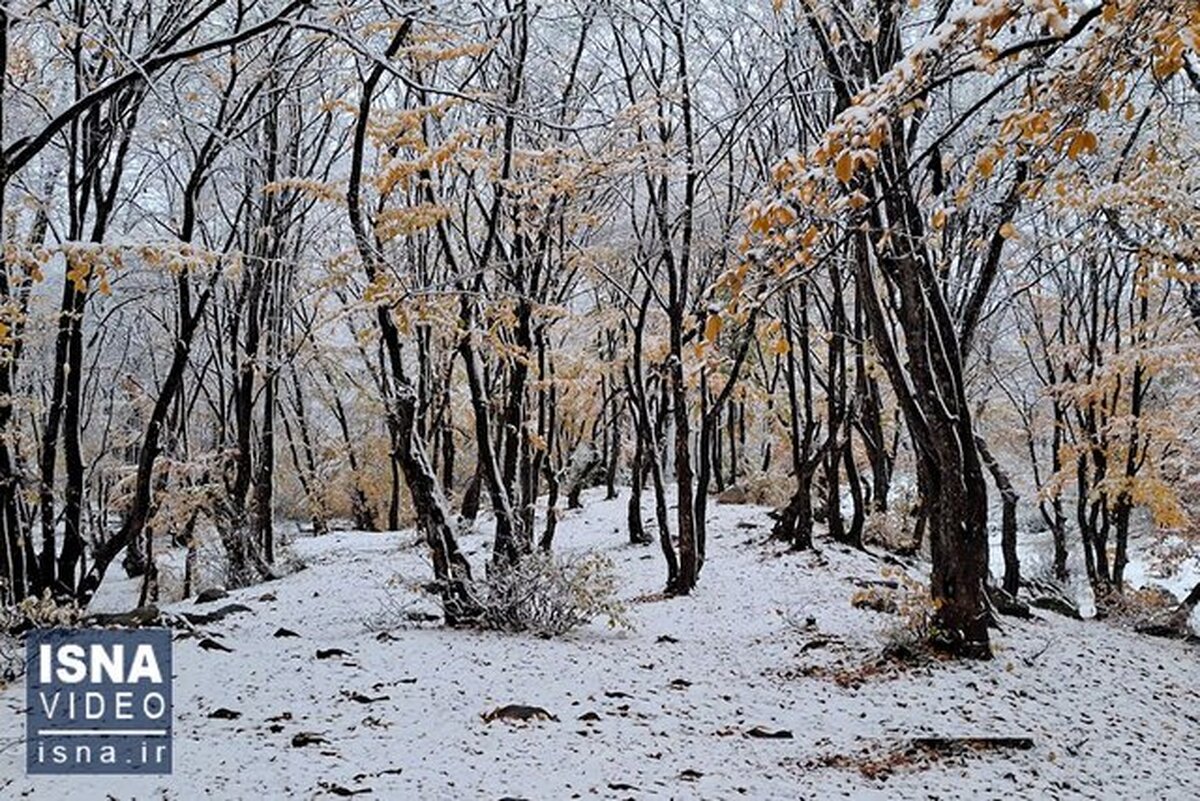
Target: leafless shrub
(400,604)
(550,595)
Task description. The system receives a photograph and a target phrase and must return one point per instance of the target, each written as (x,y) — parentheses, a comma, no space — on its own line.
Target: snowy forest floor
(663,711)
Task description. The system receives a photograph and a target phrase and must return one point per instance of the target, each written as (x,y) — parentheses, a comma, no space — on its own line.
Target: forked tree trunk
(928,383)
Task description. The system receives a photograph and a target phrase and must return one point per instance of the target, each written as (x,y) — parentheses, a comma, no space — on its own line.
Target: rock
(1060,606)
(224,714)
(210,595)
(518,712)
(329,653)
(589,716)
(763,733)
(282,632)
(1168,629)
(142,616)
(206,618)
(1006,604)
(818,642)
(733,495)
(301,739)
(337,789)
(209,644)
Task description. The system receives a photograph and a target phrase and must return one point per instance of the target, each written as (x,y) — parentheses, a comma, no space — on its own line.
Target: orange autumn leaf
(713,327)
(844,169)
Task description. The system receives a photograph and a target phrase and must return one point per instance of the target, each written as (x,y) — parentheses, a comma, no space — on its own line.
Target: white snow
(1112,714)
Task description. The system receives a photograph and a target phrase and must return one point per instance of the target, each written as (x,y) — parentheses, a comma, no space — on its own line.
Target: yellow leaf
(1082,142)
(938,221)
(713,327)
(987,165)
(780,347)
(78,275)
(844,169)
(1008,231)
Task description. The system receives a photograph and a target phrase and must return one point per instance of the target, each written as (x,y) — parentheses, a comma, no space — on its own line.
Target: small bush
(1137,605)
(888,530)
(549,596)
(401,604)
(766,489)
(875,598)
(894,530)
(42,612)
(12,660)
(913,627)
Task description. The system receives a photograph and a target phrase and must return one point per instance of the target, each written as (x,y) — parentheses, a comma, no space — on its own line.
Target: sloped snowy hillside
(684,706)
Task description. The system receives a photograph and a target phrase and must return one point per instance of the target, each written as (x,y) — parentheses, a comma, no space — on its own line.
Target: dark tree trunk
(637,531)
(795,522)
(854,533)
(471,495)
(450,567)
(930,388)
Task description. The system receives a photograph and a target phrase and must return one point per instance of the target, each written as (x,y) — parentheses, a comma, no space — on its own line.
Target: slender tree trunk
(1008,520)
(450,567)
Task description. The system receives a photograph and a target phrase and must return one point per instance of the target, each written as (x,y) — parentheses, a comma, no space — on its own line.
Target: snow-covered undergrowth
(679,707)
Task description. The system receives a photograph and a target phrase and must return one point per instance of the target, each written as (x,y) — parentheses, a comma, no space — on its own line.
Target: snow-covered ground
(666,708)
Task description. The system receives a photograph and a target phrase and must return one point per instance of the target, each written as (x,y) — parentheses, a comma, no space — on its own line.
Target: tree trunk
(1008,521)
(450,567)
